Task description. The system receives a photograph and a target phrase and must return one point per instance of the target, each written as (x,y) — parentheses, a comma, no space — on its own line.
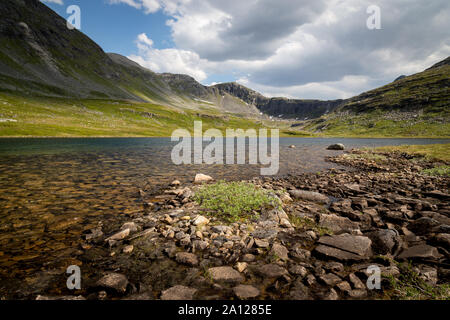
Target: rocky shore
(319,244)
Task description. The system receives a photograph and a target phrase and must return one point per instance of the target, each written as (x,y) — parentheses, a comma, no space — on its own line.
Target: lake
(52,190)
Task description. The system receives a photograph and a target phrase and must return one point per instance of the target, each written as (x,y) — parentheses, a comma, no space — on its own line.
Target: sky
(320,49)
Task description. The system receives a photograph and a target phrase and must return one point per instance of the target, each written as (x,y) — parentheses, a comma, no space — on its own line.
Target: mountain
(413,105)
(40,56)
(280,107)
(41,59)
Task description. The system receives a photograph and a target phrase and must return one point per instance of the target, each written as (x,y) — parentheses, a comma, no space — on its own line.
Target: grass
(367,156)
(234,201)
(432,152)
(409,286)
(443,171)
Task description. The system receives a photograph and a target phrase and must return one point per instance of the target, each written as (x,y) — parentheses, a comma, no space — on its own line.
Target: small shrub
(234,201)
(443,171)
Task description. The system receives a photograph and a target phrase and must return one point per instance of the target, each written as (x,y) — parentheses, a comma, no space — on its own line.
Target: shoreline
(330,228)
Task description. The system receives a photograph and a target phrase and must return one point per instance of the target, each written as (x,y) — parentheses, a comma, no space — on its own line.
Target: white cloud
(149,6)
(299,48)
(54,1)
(168,60)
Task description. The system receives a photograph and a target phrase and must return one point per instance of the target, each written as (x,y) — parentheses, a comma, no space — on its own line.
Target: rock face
(178,293)
(115,281)
(309,196)
(345,247)
(225,275)
(337,146)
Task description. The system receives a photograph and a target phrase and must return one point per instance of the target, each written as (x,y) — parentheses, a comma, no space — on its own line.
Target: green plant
(410,286)
(234,201)
(443,171)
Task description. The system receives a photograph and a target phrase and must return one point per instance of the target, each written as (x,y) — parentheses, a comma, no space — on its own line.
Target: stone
(309,196)
(200,221)
(291,146)
(128,249)
(262,243)
(384,241)
(330,279)
(187,258)
(337,146)
(175,183)
(129,225)
(41,298)
(423,225)
(201,178)
(279,252)
(221,229)
(178,293)
(248,257)
(331,295)
(241,266)
(344,286)
(299,292)
(421,251)
(115,281)
(298,270)
(334,253)
(119,235)
(337,224)
(299,253)
(356,282)
(246,291)
(359,245)
(225,275)
(271,271)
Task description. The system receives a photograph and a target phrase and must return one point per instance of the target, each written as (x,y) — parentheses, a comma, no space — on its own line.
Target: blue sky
(319,49)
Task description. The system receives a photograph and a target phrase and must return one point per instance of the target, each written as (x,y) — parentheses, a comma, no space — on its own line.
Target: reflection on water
(51,190)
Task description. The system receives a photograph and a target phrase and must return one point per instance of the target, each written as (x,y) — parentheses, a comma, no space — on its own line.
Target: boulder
(178,293)
(201,178)
(338,224)
(279,251)
(337,146)
(114,281)
(271,271)
(225,275)
(384,240)
(246,292)
(345,247)
(200,221)
(187,258)
(421,251)
(309,196)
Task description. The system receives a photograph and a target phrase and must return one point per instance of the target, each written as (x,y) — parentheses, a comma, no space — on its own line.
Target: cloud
(54,1)
(300,48)
(168,60)
(149,6)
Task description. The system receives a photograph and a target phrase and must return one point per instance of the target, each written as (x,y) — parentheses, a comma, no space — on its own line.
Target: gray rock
(384,241)
(187,258)
(271,271)
(338,224)
(299,292)
(423,225)
(39,297)
(119,235)
(279,252)
(178,293)
(225,275)
(115,281)
(330,279)
(246,292)
(358,245)
(309,196)
(421,251)
(298,270)
(337,146)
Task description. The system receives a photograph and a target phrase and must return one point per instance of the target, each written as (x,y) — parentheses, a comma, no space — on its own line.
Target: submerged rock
(225,275)
(178,293)
(115,281)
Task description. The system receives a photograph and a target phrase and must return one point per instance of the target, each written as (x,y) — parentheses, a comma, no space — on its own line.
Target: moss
(443,171)
(309,224)
(234,201)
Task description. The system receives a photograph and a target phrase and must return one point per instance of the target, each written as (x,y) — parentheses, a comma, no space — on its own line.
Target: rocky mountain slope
(41,57)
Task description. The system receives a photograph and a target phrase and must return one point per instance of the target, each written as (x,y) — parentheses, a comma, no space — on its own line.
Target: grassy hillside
(88,117)
(415,106)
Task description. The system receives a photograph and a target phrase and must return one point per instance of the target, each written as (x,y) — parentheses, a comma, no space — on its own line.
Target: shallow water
(51,190)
